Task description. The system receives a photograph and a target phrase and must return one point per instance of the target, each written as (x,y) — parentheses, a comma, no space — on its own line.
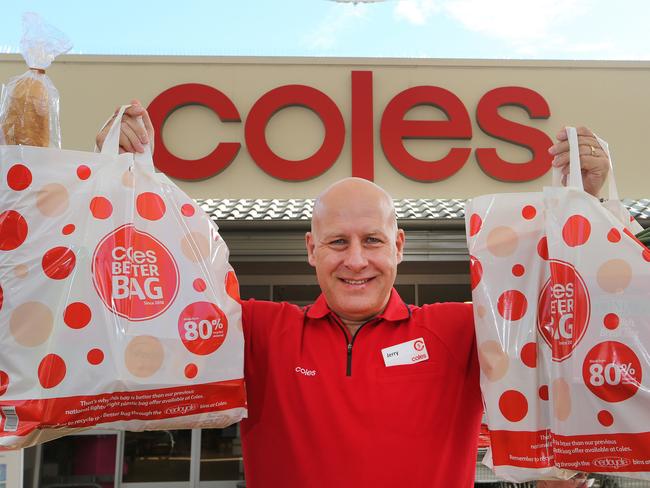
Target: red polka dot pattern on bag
(19,177)
(512,305)
(232,286)
(199,285)
(542,248)
(475,224)
(13,230)
(51,371)
(83,172)
(646,255)
(101,208)
(513,405)
(475,271)
(529,212)
(68,229)
(611,321)
(77,315)
(191,370)
(605,418)
(58,262)
(613,235)
(2,296)
(543,392)
(576,231)
(187,210)
(518,270)
(4,382)
(150,206)
(529,354)
(95,356)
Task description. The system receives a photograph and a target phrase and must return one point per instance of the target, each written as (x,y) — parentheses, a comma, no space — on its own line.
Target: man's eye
(373,240)
(337,242)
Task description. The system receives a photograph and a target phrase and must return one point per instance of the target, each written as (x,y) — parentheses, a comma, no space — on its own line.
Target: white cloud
(416,11)
(341,17)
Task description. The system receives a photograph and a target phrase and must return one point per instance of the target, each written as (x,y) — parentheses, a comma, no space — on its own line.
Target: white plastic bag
(118,308)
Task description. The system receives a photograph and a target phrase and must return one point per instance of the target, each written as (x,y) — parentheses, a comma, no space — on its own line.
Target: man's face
(355,247)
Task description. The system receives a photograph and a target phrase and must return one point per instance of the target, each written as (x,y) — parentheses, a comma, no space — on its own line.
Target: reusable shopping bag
(518,311)
(600,389)
(118,308)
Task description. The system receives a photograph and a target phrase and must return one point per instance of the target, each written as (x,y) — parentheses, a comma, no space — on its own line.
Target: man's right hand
(132,134)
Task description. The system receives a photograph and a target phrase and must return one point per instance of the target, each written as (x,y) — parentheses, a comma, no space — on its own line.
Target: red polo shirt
(325,410)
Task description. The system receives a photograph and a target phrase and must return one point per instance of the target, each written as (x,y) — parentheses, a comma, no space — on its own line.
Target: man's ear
(309,242)
(399,244)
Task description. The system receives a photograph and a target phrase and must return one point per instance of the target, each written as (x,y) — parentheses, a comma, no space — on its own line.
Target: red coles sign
(394,129)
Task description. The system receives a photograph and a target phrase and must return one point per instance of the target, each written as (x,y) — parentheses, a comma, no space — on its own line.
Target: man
(360,389)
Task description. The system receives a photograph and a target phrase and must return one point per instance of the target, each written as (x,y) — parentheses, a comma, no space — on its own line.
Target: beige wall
(611,97)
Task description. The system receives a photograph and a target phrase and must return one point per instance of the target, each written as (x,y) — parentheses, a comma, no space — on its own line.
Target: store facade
(254,140)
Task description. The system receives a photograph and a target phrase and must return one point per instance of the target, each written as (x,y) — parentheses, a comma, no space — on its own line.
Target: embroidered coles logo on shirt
(563,309)
(409,352)
(134,274)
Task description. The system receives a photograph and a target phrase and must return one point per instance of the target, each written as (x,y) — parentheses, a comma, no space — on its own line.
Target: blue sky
(519,29)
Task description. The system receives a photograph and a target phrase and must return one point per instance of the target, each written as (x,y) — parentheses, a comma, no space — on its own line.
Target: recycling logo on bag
(563,309)
(134,274)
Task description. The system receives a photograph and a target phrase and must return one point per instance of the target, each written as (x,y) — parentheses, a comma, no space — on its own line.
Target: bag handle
(611,188)
(112,142)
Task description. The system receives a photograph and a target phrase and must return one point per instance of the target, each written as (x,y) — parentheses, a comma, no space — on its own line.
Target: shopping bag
(519,312)
(601,420)
(118,308)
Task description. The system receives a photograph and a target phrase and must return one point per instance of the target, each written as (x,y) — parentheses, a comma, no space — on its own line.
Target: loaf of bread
(26,117)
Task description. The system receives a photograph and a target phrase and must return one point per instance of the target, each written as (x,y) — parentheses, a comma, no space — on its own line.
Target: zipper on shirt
(350,343)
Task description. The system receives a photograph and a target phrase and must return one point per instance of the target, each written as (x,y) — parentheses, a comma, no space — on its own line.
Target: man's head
(355,246)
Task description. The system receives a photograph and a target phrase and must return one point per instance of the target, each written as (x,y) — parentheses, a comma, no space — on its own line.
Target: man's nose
(355,258)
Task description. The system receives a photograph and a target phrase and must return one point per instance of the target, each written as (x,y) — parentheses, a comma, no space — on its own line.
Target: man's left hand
(593,160)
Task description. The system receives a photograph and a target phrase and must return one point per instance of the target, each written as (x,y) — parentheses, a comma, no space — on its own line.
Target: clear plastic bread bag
(29,107)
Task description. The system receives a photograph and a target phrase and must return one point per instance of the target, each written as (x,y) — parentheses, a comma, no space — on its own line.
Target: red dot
(543,392)
(475,271)
(611,321)
(19,177)
(613,235)
(95,356)
(51,371)
(101,208)
(187,210)
(199,284)
(529,212)
(512,305)
(475,224)
(191,370)
(13,230)
(77,315)
(605,418)
(232,286)
(2,296)
(150,206)
(68,229)
(518,270)
(4,382)
(542,248)
(576,231)
(529,354)
(58,262)
(646,255)
(83,172)
(513,405)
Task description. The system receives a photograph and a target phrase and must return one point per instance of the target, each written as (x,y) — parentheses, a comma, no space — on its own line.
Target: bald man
(360,389)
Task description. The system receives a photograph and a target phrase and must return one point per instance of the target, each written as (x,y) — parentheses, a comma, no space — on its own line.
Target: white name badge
(410,352)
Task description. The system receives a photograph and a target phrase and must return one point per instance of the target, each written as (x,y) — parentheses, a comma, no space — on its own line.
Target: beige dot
(31,324)
(21,270)
(52,200)
(128,179)
(143,356)
(561,396)
(494,361)
(195,246)
(481,311)
(502,241)
(614,275)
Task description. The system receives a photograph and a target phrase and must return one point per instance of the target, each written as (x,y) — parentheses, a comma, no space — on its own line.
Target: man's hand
(132,134)
(593,160)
